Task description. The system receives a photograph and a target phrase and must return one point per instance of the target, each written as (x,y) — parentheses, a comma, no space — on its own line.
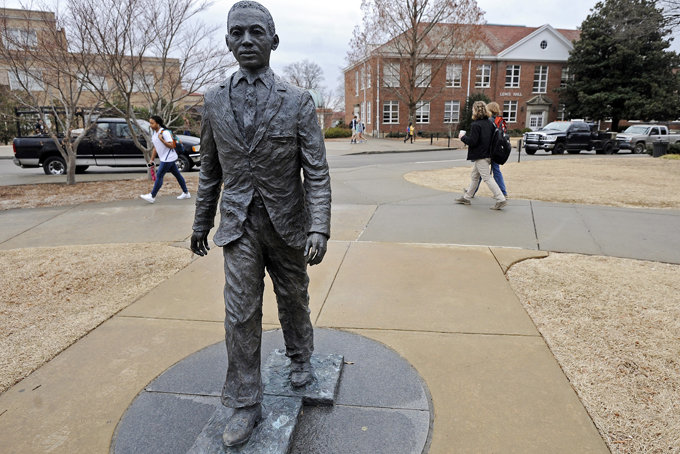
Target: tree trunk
(71,167)
(615,124)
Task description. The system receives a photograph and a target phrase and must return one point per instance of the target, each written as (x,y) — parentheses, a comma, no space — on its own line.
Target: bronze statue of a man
(258,133)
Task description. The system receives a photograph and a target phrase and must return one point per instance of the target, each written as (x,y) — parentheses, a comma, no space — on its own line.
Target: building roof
(498,38)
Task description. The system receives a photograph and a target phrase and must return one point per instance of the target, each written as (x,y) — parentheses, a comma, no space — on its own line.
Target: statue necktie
(249,112)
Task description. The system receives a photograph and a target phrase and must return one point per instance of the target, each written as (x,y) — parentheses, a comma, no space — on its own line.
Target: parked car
(109,144)
(570,136)
(637,137)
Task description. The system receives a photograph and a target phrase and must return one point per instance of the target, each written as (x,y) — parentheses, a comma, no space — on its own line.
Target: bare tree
(47,79)
(416,39)
(158,55)
(304,74)
(671,12)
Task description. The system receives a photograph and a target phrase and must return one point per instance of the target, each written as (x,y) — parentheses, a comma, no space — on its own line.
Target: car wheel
(184,164)
(54,165)
(559,149)
(639,148)
(608,148)
(573,151)
(530,151)
(81,169)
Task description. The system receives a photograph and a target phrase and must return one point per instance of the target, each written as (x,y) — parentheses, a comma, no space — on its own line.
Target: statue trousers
(245,261)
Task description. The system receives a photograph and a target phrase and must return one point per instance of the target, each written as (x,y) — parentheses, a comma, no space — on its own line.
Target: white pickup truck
(637,137)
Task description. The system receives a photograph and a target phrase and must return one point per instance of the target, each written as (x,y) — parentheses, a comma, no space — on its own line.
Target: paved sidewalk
(406,266)
(6,152)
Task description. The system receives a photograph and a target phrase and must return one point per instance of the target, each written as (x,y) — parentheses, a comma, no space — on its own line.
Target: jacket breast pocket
(281,139)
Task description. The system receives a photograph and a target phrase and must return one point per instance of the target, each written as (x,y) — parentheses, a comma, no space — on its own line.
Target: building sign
(509,93)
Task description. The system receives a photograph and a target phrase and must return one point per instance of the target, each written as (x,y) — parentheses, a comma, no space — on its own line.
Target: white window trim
(507,114)
(32,81)
(21,39)
(513,84)
(394,107)
(356,83)
(423,75)
(368,76)
(368,113)
(424,108)
(481,83)
(363,78)
(391,75)
(452,111)
(540,76)
(455,83)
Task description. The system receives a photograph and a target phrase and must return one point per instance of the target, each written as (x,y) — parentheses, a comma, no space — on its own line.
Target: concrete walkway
(406,266)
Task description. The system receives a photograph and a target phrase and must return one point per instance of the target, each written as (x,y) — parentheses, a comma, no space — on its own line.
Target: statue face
(249,38)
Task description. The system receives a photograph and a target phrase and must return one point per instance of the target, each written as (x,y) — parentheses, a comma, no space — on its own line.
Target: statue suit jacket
(288,140)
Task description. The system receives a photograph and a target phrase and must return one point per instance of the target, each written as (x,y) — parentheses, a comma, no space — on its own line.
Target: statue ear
(226,38)
(275,42)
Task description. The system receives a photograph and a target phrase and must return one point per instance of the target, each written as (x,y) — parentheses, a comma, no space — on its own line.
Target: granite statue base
(281,407)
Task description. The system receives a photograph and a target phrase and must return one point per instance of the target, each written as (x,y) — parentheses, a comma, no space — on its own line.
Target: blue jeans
(164,168)
(497,176)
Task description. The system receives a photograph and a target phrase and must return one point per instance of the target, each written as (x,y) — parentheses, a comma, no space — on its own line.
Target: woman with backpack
(494,112)
(479,151)
(164,147)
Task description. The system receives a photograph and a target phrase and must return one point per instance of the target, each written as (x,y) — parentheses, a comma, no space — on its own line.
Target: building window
(368,113)
(451,111)
(544,44)
(454,75)
(23,80)
(368,76)
(512,76)
(510,111)
(541,79)
(422,112)
(363,78)
(423,74)
(483,79)
(564,80)
(391,112)
(143,83)
(356,83)
(391,74)
(363,112)
(94,83)
(20,39)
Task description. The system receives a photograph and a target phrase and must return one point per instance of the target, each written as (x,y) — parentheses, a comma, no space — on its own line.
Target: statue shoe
(300,373)
(241,424)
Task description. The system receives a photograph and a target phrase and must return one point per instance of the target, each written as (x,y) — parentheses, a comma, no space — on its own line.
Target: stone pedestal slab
(323,388)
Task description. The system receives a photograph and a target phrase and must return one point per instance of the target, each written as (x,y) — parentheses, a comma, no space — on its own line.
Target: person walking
(494,112)
(164,148)
(353,126)
(409,133)
(479,151)
(361,130)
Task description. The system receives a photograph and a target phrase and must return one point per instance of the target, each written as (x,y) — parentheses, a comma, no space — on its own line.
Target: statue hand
(199,243)
(315,248)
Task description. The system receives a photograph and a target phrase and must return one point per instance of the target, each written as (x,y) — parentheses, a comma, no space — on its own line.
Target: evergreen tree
(466,118)
(620,67)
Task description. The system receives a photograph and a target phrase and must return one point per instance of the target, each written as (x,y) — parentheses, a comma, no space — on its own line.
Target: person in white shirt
(164,148)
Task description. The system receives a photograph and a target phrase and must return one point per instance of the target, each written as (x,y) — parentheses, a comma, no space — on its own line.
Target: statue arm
(209,186)
(317,181)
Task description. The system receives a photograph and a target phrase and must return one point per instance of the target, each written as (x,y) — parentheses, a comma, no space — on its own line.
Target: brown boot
(300,373)
(241,424)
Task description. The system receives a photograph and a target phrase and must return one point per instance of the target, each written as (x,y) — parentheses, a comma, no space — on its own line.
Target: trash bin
(660,147)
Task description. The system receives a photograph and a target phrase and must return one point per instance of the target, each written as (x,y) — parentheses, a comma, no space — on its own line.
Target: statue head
(251,34)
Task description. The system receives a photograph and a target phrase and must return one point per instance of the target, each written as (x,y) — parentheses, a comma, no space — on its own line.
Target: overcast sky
(320,30)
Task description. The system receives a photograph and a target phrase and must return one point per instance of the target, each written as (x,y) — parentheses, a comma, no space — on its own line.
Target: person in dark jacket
(494,112)
(479,151)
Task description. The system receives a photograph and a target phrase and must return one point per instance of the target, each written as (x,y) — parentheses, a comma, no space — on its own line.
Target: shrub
(674,148)
(515,132)
(335,133)
(525,130)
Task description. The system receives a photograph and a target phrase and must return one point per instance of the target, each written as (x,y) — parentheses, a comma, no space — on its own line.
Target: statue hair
(248,4)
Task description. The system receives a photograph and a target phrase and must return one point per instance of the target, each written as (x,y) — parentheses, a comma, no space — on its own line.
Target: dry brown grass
(51,297)
(620,182)
(614,327)
(61,194)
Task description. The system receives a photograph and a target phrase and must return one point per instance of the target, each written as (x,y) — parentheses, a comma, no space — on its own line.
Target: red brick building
(518,67)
